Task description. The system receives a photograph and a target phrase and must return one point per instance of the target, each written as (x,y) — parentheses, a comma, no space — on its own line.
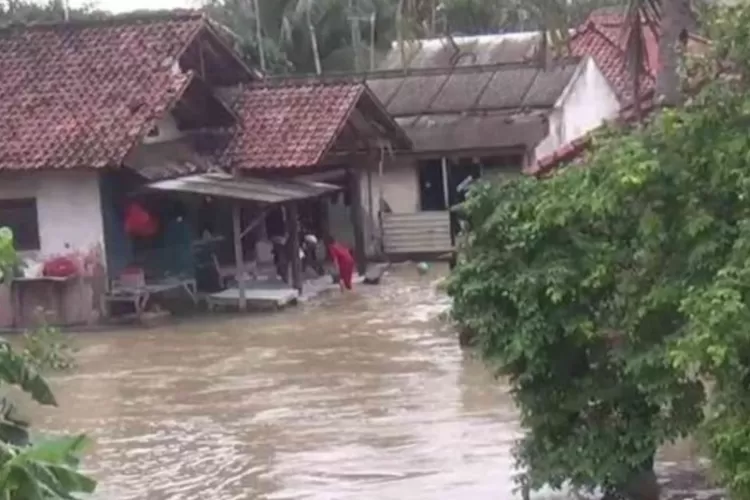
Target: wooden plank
(398,231)
(421,217)
(421,232)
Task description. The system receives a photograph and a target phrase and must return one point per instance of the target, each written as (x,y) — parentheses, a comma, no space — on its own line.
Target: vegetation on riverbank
(611,291)
(32,468)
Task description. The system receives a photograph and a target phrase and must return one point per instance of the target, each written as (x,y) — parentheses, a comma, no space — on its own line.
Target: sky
(119,6)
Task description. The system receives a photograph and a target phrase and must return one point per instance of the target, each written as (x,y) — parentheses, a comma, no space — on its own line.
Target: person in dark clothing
(280,257)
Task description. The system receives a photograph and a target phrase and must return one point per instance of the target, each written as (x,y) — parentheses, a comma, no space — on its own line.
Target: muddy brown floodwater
(360,397)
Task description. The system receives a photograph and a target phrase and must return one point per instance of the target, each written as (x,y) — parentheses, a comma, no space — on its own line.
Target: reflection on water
(353,397)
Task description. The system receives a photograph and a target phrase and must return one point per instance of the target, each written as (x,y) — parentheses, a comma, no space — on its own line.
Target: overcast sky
(126,5)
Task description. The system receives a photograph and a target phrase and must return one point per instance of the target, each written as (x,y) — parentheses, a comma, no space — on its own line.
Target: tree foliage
(611,295)
(349,32)
(33,469)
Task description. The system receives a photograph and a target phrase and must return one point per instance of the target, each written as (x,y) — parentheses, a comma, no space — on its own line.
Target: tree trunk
(400,32)
(667,77)
(643,485)
(259,36)
(313,38)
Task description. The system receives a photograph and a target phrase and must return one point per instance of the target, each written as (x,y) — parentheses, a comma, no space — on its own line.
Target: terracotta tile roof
(605,44)
(601,37)
(290,124)
(81,94)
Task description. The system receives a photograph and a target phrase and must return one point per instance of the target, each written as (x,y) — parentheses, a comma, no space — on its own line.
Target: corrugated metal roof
(471,92)
(260,190)
(165,160)
(473,89)
(474,106)
(451,132)
(473,50)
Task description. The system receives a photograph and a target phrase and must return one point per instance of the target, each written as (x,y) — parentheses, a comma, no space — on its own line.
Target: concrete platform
(268,295)
(273,294)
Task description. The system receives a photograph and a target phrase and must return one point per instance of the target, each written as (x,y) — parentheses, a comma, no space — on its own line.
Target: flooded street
(358,397)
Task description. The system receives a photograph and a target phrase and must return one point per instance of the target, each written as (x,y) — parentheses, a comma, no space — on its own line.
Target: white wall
(588,101)
(68,207)
(400,185)
(168,131)
(400,190)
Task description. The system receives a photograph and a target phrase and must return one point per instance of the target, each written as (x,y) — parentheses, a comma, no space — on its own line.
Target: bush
(33,469)
(610,292)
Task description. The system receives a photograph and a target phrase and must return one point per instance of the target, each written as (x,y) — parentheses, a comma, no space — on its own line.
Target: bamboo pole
(357,219)
(239,258)
(293,213)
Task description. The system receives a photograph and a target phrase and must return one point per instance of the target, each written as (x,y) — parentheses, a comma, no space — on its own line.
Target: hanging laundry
(138,222)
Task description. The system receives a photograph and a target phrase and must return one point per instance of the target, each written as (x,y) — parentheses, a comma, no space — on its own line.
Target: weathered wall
(400,189)
(6,314)
(400,186)
(586,104)
(70,222)
(68,208)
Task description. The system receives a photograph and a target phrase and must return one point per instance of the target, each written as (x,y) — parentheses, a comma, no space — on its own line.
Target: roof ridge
(110,20)
(348,77)
(280,81)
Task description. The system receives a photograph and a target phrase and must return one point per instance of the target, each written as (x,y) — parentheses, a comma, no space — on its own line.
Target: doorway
(432,185)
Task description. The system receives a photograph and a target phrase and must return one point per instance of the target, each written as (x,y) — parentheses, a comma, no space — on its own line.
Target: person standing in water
(343,260)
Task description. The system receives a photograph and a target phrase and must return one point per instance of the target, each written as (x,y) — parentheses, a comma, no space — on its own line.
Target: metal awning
(268,191)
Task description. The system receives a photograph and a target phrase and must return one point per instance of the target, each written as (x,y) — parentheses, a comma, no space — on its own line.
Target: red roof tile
(606,46)
(293,124)
(601,37)
(81,94)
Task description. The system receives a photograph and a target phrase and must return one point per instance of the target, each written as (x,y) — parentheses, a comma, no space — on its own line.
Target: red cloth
(344,261)
(138,222)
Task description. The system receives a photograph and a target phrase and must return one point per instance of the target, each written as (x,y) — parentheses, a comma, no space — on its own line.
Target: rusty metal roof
(259,190)
(472,89)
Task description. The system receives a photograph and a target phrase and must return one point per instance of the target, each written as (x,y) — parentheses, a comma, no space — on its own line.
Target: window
(20,216)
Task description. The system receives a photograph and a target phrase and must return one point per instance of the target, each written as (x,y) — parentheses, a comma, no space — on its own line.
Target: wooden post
(239,257)
(294,245)
(446,189)
(357,217)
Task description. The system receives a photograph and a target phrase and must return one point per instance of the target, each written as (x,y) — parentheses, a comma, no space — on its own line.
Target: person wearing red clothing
(342,258)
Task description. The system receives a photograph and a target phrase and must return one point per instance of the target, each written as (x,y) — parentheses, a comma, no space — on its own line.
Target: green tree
(615,296)
(291,35)
(24,11)
(33,469)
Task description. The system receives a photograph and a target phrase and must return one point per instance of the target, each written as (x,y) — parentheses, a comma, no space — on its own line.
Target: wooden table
(139,296)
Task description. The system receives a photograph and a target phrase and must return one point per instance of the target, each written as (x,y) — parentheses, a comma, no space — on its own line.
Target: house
(93,112)
(475,106)
(601,37)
